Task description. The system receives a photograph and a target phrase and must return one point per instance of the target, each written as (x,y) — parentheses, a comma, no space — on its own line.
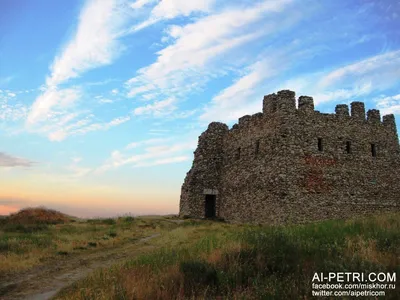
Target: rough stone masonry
(291,164)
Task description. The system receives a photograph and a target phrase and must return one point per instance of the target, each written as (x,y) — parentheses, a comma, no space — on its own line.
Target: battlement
(358,110)
(342,110)
(284,102)
(306,104)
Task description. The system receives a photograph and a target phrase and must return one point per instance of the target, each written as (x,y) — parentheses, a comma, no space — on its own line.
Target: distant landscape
(49,254)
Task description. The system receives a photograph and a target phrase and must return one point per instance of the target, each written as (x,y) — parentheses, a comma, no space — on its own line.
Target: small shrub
(92,244)
(112,234)
(63,253)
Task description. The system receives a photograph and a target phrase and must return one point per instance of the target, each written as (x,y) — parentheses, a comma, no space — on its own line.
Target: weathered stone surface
(296,165)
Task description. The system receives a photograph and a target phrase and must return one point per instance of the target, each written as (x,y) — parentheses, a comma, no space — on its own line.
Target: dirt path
(45,281)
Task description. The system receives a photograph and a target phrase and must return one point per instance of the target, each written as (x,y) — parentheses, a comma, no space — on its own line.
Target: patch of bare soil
(43,282)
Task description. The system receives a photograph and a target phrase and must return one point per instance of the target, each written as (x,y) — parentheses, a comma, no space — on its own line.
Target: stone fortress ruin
(291,164)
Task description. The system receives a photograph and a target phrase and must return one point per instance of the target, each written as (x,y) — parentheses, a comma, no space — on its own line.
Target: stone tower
(291,164)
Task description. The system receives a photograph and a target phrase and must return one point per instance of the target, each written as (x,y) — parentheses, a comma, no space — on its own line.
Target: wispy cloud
(157,109)
(145,142)
(10,108)
(194,56)
(372,74)
(95,44)
(10,161)
(83,126)
(150,156)
(171,9)
(382,68)
(389,104)
(76,170)
(50,98)
(140,3)
(243,96)
(341,84)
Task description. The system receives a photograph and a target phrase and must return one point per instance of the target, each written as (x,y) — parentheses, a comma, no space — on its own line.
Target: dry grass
(205,260)
(367,250)
(34,235)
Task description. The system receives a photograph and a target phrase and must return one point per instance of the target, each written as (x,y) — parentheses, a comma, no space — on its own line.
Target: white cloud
(94,44)
(378,68)
(41,108)
(59,131)
(195,55)
(233,102)
(351,81)
(348,82)
(104,101)
(389,104)
(160,154)
(145,142)
(140,3)
(342,94)
(198,43)
(171,9)
(11,109)
(157,109)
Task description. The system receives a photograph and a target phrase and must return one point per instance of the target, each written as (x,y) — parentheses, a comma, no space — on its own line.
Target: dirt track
(43,282)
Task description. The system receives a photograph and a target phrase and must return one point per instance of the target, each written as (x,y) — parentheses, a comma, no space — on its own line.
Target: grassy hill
(32,236)
(195,259)
(215,260)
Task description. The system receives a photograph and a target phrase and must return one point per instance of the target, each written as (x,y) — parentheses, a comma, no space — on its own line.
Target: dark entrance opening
(210,206)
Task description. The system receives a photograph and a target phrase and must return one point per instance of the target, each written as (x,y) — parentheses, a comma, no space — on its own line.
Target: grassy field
(32,237)
(216,260)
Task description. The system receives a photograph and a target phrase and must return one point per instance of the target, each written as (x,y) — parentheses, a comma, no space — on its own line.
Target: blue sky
(102,101)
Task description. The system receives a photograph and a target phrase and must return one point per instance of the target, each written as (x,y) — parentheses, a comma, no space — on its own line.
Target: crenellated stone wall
(296,165)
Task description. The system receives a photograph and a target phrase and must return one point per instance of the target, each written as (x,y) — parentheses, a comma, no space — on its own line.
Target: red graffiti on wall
(319,161)
(314,179)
